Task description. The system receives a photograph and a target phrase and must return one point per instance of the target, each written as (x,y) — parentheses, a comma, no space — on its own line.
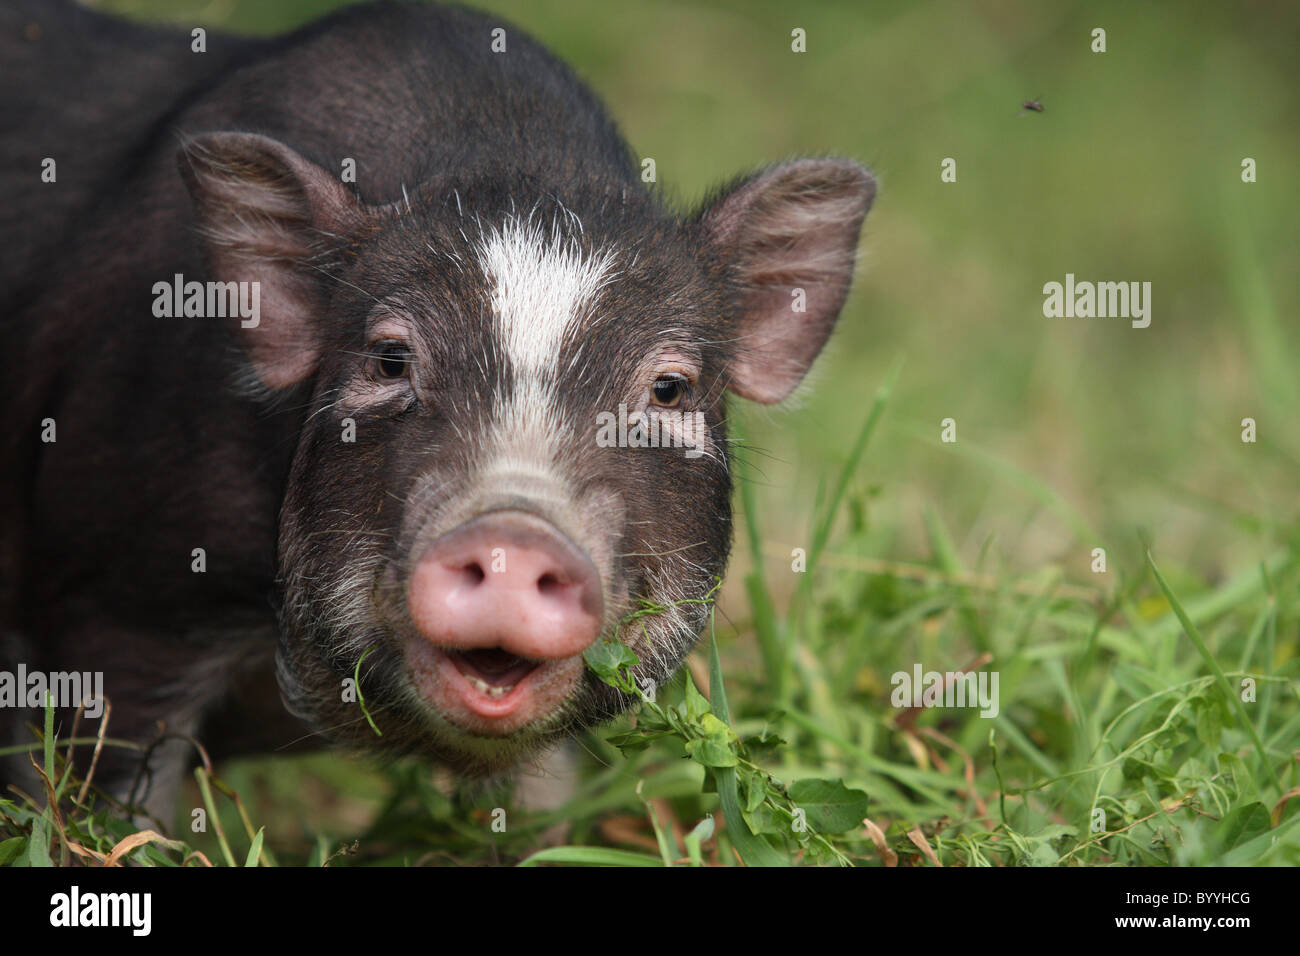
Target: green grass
(1120,692)
(1139,723)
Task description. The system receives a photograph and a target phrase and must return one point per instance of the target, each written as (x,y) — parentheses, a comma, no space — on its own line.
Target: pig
(312,349)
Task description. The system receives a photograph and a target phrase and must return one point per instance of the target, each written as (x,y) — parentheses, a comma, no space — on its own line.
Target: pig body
(394,454)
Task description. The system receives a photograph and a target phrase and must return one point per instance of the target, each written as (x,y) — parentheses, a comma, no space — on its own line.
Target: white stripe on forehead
(543,287)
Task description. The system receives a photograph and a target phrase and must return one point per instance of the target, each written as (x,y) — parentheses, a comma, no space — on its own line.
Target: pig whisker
(342,281)
(331,731)
(658,554)
(324,408)
(323,734)
(380,534)
(598,758)
(448,254)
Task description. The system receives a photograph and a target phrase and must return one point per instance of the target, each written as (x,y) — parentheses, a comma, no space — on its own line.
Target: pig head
(453,514)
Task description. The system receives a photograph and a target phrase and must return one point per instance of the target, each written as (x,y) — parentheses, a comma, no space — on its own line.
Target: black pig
(384,420)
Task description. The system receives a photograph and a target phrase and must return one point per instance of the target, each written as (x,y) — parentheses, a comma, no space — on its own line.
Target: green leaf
(1043,855)
(695,706)
(255,851)
(702,832)
(710,784)
(765,743)
(38,846)
(591,856)
(716,747)
(831,807)
(10,848)
(1209,724)
(763,819)
(711,726)
(1191,631)
(1192,775)
(717,690)
(13,811)
(632,742)
(753,850)
(608,658)
(711,752)
(1055,831)
(1133,769)
(1235,775)
(47,739)
(1242,824)
(651,720)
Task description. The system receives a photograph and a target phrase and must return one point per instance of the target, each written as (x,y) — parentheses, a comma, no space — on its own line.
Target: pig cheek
(548,692)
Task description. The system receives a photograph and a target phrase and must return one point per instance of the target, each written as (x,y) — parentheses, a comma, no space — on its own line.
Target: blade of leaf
(754,850)
(255,850)
(591,856)
(1213,665)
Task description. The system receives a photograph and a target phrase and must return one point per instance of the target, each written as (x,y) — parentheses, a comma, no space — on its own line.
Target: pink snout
(509,582)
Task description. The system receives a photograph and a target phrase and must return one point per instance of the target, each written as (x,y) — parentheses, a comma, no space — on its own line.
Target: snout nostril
(472,573)
(549,584)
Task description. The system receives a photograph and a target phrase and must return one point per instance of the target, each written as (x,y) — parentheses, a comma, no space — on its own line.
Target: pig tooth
(492,690)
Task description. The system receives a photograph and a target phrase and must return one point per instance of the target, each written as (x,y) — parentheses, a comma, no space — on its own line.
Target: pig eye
(669,389)
(392,359)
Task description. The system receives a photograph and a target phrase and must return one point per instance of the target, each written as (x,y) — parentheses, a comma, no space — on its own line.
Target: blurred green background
(1132,173)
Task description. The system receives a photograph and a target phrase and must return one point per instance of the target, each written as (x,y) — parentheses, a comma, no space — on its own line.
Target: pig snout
(503,606)
(507,582)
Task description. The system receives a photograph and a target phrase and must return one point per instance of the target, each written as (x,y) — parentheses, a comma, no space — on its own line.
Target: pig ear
(787,238)
(264,214)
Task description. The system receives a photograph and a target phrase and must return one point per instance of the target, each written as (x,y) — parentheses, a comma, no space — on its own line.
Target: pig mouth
(490,692)
(492,671)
